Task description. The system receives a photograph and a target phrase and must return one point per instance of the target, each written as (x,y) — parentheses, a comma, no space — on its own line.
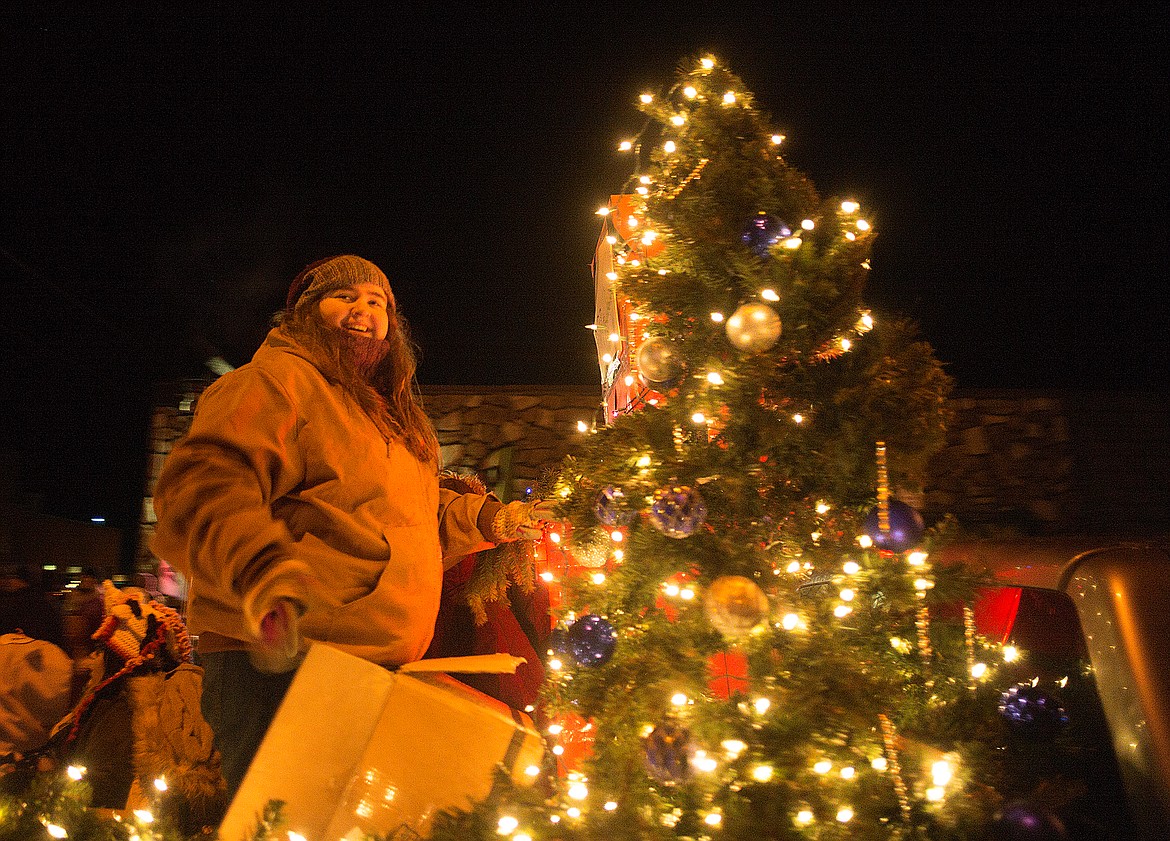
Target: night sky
(164,176)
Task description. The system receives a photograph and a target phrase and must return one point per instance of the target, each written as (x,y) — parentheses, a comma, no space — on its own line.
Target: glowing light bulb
(160,784)
(678,119)
(713,819)
(793,243)
(578,791)
(846,344)
(842,610)
(698,417)
(679,699)
(734,747)
(295,836)
(554,537)
(798,418)
(807,224)
(916,559)
(847,595)
(717,317)
(848,772)
(935,793)
(1011,654)
(762,773)
(603,211)
(850,206)
(611,276)
(75,772)
(862,225)
(849,235)
(867,321)
(922,584)
(851,567)
(143,816)
(705,763)
(822,507)
(555,664)
(715,378)
(625,146)
(823,767)
(532,771)
(522,836)
(879,763)
(804,817)
(598,578)
(845,815)
(671,589)
(762,705)
(978,670)
(616,536)
(942,772)
(507,825)
(790,621)
(729,98)
(56,831)
(618,554)
(646,98)
(686,594)
(670,147)
(864,541)
(573,812)
(689,92)
(769,295)
(793,567)
(707,63)
(777,139)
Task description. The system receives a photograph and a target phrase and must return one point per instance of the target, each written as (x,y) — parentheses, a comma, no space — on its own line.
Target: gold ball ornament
(753,328)
(735,605)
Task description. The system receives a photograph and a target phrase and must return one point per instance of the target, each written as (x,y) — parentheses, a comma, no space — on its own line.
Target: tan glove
(273,609)
(522,521)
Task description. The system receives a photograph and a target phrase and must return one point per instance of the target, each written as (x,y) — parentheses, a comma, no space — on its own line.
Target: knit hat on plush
(323,276)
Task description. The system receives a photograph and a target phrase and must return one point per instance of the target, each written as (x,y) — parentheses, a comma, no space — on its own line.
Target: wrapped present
(356,749)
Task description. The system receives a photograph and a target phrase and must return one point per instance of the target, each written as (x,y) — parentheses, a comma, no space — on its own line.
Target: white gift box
(357,749)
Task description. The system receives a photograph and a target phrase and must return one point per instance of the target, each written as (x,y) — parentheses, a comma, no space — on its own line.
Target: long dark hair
(389,395)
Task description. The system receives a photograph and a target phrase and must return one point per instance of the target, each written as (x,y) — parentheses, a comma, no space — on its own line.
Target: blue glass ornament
(613,507)
(592,640)
(1032,713)
(677,511)
(906,528)
(668,753)
(763,232)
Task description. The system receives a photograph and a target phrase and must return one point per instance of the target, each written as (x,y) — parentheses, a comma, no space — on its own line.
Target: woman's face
(362,309)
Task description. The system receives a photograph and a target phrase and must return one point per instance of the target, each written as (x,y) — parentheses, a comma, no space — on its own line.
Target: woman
(304,503)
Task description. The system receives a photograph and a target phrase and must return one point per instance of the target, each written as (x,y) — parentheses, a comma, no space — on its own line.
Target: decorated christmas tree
(751,640)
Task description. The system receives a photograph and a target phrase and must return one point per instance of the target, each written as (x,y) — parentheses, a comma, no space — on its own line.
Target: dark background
(164,173)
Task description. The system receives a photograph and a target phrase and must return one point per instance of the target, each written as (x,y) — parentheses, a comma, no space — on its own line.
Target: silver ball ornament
(753,328)
(735,605)
(658,363)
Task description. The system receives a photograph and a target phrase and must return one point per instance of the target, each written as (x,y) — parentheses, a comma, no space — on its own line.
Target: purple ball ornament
(592,640)
(763,232)
(1032,713)
(677,510)
(613,507)
(668,753)
(1023,821)
(906,528)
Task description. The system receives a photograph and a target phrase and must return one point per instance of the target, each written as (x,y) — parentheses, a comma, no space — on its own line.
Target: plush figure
(140,720)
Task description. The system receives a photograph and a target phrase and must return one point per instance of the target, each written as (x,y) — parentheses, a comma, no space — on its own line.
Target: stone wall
(1041,463)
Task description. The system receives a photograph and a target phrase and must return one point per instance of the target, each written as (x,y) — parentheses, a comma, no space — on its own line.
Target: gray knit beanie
(332,273)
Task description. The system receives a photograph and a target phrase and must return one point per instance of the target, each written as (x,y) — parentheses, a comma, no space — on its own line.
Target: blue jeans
(239,703)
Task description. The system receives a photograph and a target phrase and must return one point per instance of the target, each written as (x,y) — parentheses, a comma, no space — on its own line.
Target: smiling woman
(304,503)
